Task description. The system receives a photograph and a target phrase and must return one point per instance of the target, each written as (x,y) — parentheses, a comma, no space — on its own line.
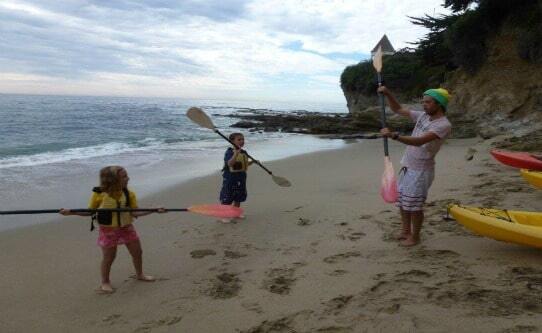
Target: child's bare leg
(417,221)
(238,204)
(137,257)
(406,219)
(109,254)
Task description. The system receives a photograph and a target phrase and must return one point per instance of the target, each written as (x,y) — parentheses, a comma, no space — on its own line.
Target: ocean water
(52,147)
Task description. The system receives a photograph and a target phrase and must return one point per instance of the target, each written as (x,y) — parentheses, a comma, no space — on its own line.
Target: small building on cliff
(387,48)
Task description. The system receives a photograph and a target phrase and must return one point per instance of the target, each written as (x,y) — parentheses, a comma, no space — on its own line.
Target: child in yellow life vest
(234,173)
(115,228)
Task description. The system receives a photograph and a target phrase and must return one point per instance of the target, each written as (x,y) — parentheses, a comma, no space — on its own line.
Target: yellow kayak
(524,228)
(533,177)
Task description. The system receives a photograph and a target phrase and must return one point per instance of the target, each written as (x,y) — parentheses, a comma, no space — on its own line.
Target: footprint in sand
(334,329)
(336,304)
(480,175)
(198,254)
(338,272)
(153,324)
(303,222)
(112,319)
(356,235)
(279,280)
(341,256)
(252,306)
(411,277)
(521,329)
(530,277)
(268,326)
(293,210)
(439,255)
(392,309)
(225,285)
(284,324)
(414,273)
(233,254)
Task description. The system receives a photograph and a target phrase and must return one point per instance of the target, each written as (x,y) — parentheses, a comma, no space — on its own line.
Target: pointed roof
(386,45)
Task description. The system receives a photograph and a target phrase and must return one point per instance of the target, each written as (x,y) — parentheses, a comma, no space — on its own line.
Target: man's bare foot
(402,236)
(146,278)
(105,288)
(409,242)
(225,221)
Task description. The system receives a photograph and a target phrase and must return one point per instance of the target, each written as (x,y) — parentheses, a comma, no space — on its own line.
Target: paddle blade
(388,189)
(377,60)
(220,211)
(281,181)
(201,118)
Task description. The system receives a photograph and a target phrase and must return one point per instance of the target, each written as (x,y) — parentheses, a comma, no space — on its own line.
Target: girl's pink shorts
(110,237)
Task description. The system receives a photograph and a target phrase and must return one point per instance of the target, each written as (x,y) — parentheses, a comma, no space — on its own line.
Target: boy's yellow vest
(240,164)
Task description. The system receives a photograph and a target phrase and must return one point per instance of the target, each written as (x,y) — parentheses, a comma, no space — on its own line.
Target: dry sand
(317,257)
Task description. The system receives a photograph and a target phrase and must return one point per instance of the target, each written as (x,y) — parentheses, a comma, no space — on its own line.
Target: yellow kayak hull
(519,227)
(533,177)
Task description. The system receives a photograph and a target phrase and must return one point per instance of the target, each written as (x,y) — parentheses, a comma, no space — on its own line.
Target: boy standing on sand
(431,129)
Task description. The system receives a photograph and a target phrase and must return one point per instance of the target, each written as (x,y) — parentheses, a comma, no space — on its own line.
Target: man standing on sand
(416,175)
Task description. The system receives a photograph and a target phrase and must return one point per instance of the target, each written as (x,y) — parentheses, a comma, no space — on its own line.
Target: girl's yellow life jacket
(102,199)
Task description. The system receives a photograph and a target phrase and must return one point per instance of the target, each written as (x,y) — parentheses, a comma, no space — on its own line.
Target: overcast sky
(236,49)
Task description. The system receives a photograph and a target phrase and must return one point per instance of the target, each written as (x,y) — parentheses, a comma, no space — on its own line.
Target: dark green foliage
(470,34)
(469,53)
(404,71)
(529,26)
(530,45)
(434,48)
(493,13)
(360,77)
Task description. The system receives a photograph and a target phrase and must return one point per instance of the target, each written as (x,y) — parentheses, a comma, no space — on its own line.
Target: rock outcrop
(504,96)
(334,125)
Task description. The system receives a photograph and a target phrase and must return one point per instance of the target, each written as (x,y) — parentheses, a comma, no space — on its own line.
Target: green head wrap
(440,95)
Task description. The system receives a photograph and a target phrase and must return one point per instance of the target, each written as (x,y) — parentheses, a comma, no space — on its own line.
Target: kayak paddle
(198,116)
(215,210)
(388,189)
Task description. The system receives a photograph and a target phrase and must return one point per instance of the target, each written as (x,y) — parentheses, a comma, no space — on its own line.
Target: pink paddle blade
(216,210)
(388,189)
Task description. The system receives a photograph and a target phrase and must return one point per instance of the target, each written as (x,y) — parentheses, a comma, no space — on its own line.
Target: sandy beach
(317,257)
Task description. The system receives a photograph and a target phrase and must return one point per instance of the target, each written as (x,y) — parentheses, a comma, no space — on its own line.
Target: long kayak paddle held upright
(388,189)
(214,210)
(198,116)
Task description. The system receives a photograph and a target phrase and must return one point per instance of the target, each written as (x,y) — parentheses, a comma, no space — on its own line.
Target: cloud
(238,48)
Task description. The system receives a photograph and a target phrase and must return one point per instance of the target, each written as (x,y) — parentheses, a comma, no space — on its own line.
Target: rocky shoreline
(364,125)
(358,125)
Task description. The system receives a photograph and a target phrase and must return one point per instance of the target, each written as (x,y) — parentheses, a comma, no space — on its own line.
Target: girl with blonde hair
(115,228)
